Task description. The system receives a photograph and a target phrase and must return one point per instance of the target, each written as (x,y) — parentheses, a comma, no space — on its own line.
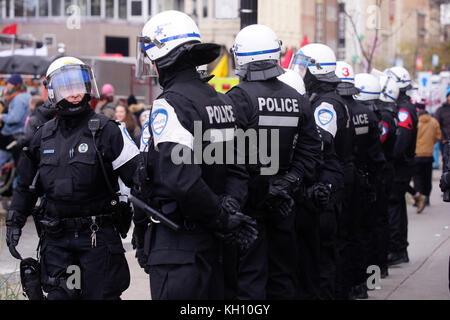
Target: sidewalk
(426,276)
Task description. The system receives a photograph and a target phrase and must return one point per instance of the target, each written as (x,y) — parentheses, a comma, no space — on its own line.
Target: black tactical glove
(234,226)
(14,224)
(280,194)
(444,184)
(320,194)
(138,241)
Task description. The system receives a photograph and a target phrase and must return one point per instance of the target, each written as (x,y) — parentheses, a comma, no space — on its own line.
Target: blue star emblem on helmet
(390,92)
(362,87)
(158,30)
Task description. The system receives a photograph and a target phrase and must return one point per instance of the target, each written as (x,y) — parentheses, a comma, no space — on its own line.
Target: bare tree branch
(356,34)
(374,46)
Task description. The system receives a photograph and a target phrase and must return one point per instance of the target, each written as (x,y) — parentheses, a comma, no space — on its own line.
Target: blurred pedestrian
(427,135)
(106,103)
(17,98)
(123,114)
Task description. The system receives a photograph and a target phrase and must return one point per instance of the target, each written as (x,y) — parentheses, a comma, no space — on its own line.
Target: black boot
(397,258)
(359,292)
(384,271)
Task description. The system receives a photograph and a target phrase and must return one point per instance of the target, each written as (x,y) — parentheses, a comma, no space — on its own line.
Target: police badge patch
(159,120)
(83,148)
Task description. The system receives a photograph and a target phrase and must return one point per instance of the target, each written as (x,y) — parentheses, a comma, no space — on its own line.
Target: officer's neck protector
(260,70)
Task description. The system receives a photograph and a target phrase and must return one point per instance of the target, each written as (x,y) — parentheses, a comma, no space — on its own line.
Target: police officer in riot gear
(404,152)
(388,110)
(369,159)
(190,123)
(270,108)
(347,242)
(75,161)
(317,63)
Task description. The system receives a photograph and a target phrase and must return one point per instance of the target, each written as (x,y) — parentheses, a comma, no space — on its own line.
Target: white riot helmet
(293,79)
(256,42)
(401,76)
(368,85)
(166,32)
(68,76)
(319,59)
(389,89)
(345,73)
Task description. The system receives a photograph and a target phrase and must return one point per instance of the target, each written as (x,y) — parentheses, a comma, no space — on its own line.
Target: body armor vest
(69,170)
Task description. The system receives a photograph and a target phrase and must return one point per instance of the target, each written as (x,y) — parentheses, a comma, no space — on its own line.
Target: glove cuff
(294,180)
(15,219)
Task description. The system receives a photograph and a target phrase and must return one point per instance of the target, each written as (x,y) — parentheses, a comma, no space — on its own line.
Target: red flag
(287,58)
(305,41)
(12,29)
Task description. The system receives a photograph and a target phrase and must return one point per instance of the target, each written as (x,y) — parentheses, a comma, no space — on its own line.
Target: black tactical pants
(184,264)
(246,272)
(423,174)
(346,237)
(328,252)
(282,253)
(398,218)
(104,270)
(384,189)
(307,227)
(364,225)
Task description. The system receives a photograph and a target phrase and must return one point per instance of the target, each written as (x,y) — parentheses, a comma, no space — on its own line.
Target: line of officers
(334,207)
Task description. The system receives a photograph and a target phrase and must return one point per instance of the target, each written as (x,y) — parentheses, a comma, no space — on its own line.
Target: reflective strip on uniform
(129,149)
(362,130)
(278,121)
(221,135)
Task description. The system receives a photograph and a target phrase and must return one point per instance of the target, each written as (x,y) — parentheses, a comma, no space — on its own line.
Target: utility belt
(56,227)
(60,217)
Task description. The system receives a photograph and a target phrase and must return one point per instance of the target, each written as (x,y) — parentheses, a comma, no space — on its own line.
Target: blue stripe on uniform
(254,53)
(180,36)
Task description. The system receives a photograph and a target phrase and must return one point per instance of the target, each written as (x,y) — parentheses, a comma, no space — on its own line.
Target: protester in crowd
(17,98)
(427,135)
(123,114)
(106,103)
(136,108)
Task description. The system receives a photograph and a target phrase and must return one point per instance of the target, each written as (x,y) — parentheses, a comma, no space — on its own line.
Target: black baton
(153,213)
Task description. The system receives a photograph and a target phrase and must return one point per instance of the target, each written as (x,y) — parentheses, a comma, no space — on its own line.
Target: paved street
(424,277)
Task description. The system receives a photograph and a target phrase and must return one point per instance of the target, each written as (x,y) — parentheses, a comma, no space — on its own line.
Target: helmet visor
(71,80)
(144,67)
(300,64)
